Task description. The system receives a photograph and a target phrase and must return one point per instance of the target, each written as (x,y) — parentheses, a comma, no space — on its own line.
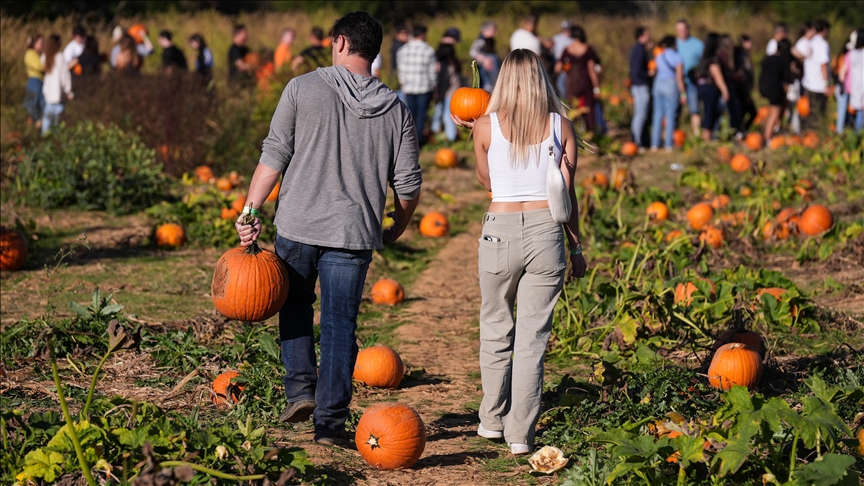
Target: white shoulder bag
(556,187)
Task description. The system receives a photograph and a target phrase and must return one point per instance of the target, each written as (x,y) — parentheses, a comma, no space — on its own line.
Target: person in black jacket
(172,57)
(744,88)
(774,80)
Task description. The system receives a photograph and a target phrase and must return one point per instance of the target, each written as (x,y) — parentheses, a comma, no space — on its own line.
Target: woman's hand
(578,266)
(461,122)
(248,232)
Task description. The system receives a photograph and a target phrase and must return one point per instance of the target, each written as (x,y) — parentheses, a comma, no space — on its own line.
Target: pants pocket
(494,257)
(549,258)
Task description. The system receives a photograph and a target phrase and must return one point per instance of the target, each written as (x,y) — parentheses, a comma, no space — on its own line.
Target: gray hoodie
(339,139)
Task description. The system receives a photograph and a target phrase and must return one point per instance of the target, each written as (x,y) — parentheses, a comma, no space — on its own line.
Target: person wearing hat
(561,41)
(852,77)
(449,80)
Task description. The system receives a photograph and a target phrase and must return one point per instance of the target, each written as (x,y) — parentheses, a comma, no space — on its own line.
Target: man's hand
(393,233)
(248,232)
(577,267)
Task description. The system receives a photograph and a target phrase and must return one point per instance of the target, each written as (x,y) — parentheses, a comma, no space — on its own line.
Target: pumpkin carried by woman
(379,366)
(470,103)
(13,250)
(390,436)
(249,284)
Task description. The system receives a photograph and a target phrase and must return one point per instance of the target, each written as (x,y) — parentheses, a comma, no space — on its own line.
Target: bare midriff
(517,207)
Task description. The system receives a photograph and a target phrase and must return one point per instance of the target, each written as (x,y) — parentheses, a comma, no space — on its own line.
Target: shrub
(91,166)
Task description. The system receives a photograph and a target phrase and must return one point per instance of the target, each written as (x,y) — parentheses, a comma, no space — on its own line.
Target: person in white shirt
(525,38)
(415,63)
(57,83)
(816,70)
(75,48)
(781,31)
(561,41)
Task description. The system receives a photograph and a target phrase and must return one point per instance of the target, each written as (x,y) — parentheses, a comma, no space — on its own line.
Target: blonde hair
(524,92)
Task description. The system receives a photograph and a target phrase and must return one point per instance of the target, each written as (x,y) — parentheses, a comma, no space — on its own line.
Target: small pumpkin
(735,364)
(238,203)
(620,178)
(657,211)
(434,225)
(229,214)
(629,149)
(13,250)
(274,194)
(137,32)
(470,103)
(170,234)
(224,184)
(712,236)
(740,163)
(446,158)
(803,106)
(700,215)
(684,291)
(815,219)
(754,141)
(745,191)
(379,366)
(810,140)
(775,230)
(761,115)
(597,179)
(721,201)
(249,284)
(387,292)
(390,436)
(735,219)
(861,442)
(223,389)
(803,188)
(679,137)
(204,173)
(777,142)
(724,154)
(673,235)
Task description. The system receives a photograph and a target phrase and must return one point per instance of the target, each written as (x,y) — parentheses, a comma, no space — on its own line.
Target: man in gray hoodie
(338,138)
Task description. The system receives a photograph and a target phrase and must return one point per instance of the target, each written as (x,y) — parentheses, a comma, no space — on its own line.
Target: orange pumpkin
(229,213)
(678,137)
(274,194)
(598,179)
(379,366)
(700,215)
(803,187)
(629,149)
(238,203)
(803,106)
(620,178)
(810,140)
(614,100)
(815,219)
(775,292)
(170,235)
(684,291)
(446,158)
(470,103)
(390,436)
(13,250)
(740,163)
(657,211)
(387,292)
(252,59)
(777,142)
(224,184)
(761,114)
(137,32)
(735,219)
(774,230)
(735,364)
(721,201)
(712,236)
(789,216)
(234,178)
(204,173)
(223,389)
(249,284)
(745,191)
(724,154)
(673,235)
(754,141)
(434,225)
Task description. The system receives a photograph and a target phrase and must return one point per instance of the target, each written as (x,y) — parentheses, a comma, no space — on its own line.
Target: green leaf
(111,309)
(628,327)
(623,469)
(690,449)
(825,471)
(79,309)
(268,345)
(732,457)
(133,439)
(822,422)
(42,464)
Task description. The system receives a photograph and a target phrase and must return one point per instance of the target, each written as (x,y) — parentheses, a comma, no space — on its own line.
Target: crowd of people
(707,78)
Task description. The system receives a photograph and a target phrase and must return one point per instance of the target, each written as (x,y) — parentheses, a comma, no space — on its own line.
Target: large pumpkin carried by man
(13,250)
(470,103)
(249,284)
(390,436)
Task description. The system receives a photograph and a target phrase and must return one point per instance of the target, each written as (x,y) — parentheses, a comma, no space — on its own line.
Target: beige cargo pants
(526,267)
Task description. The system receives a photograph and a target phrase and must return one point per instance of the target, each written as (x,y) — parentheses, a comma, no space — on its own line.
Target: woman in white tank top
(522,254)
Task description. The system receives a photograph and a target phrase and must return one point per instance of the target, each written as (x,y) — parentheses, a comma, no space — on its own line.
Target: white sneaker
(519,449)
(489,434)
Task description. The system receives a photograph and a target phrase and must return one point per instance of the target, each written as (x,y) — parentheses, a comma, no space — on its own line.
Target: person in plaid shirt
(415,62)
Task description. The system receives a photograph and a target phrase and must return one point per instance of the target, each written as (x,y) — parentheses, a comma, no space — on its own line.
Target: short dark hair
(784,47)
(79,30)
(577,32)
(640,31)
(417,30)
(237,29)
(821,25)
(363,33)
(744,38)
(668,41)
(166,34)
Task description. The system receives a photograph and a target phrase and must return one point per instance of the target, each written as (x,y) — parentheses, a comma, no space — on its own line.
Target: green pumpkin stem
(476,75)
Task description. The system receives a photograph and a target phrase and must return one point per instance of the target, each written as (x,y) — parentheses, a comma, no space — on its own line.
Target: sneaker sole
(490,434)
(302,414)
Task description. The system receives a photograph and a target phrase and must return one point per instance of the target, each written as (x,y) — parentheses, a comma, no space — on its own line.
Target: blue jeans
(859,120)
(641,102)
(51,116)
(34,101)
(561,84)
(489,78)
(418,105)
(342,274)
(842,106)
(692,98)
(442,114)
(665,105)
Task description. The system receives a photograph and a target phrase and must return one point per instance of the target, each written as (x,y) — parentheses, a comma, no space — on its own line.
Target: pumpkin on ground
(13,250)
(390,436)
(387,292)
(446,158)
(204,173)
(170,234)
(673,235)
(777,142)
(598,179)
(740,163)
(700,215)
(815,219)
(803,106)
(379,366)
(754,141)
(238,203)
(775,231)
(229,214)
(712,236)
(811,140)
(735,364)
(249,284)
(721,201)
(470,103)
(274,194)
(678,137)
(224,184)
(684,291)
(620,178)
(434,225)
(657,211)
(629,149)
(223,389)
(724,154)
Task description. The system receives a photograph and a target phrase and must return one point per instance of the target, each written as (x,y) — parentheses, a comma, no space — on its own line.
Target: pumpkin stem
(247,219)
(373,441)
(475,72)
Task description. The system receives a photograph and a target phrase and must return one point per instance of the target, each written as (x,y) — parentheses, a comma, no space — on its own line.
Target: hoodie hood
(366,97)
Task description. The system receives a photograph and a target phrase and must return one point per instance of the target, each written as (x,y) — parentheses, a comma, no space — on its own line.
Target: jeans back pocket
(494,257)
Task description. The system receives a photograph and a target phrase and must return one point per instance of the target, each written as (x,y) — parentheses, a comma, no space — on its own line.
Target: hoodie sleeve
(278,148)
(406,177)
